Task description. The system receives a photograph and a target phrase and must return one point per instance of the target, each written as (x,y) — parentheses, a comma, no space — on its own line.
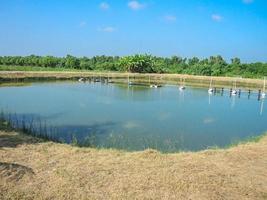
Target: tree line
(212,66)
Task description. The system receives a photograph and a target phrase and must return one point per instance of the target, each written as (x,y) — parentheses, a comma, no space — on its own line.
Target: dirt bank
(157,78)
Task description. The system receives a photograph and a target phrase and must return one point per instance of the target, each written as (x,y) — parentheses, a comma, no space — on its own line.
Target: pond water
(138,117)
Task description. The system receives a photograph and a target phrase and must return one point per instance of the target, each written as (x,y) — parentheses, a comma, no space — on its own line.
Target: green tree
(137,63)
(72,62)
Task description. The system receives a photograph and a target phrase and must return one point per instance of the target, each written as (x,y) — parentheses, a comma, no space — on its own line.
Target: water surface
(138,117)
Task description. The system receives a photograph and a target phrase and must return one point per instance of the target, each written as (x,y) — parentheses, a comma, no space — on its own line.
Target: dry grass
(120,77)
(32,169)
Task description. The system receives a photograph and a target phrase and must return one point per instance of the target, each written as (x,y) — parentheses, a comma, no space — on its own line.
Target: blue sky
(231,28)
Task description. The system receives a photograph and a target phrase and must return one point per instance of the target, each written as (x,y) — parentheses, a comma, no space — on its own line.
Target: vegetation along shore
(141,68)
(212,66)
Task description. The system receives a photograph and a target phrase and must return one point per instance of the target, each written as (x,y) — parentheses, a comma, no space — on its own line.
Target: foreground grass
(31,168)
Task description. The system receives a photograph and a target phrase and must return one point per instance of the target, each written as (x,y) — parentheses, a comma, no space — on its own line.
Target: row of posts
(95,79)
(221,91)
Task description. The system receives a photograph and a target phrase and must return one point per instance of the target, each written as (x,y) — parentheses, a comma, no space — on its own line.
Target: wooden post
(259,95)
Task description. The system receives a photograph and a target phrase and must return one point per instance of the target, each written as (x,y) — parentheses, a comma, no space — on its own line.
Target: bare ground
(32,169)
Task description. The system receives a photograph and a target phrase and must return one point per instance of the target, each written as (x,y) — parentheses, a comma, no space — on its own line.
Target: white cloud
(170,18)
(216,17)
(83,24)
(135,5)
(248,1)
(108,29)
(104,6)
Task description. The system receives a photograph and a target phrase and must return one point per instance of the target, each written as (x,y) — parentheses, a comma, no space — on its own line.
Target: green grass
(46,69)
(251,139)
(34,68)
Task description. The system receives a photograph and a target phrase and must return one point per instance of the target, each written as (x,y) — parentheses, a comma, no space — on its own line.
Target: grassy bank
(32,168)
(135,77)
(32,68)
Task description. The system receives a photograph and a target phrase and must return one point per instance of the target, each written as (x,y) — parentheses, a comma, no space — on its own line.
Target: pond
(138,117)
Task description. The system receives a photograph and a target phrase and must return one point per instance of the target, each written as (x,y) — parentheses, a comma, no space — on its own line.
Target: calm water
(135,117)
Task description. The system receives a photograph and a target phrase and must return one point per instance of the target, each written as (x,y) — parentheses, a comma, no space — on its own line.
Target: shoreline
(11,76)
(27,132)
(31,168)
